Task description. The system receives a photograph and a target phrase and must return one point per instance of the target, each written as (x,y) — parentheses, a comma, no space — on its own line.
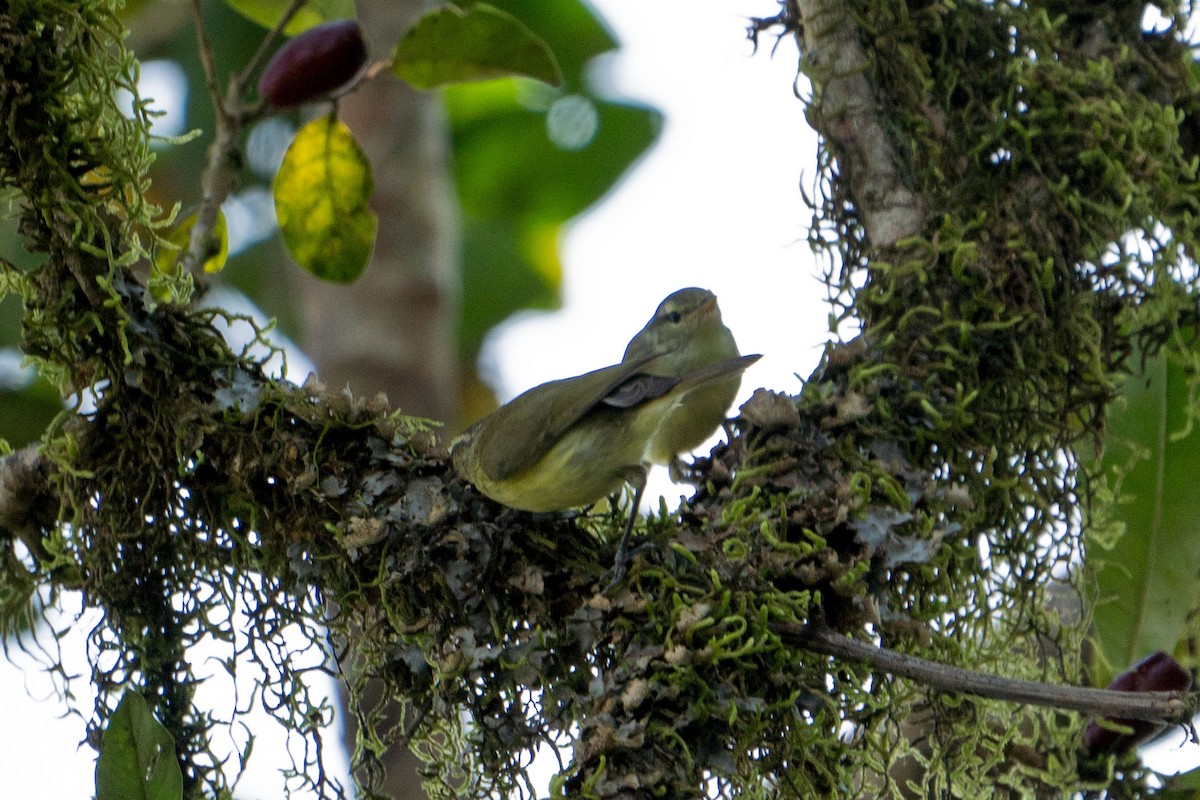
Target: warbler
(571,442)
(686,332)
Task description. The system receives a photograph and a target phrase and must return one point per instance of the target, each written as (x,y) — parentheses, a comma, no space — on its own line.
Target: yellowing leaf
(321,196)
(268,12)
(217,252)
(452,45)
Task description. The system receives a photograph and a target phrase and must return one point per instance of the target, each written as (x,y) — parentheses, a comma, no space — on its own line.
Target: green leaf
(1148,582)
(571,28)
(452,45)
(137,756)
(502,275)
(321,196)
(507,165)
(315,12)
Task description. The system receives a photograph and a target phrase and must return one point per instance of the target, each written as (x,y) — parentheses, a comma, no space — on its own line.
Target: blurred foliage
(452,45)
(26,409)
(268,12)
(518,189)
(27,402)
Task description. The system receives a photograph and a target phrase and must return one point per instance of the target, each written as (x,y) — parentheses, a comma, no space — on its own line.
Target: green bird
(571,442)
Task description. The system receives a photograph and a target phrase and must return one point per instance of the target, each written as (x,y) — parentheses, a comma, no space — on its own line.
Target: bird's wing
(642,387)
(637,389)
(534,421)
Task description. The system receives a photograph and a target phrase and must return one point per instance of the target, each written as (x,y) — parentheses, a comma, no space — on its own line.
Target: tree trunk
(393,330)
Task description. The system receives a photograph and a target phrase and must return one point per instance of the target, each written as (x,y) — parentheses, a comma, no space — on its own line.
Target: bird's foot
(682,472)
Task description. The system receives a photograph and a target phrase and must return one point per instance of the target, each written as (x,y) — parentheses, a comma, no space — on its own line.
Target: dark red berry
(1098,740)
(314,64)
(1161,673)
(1155,673)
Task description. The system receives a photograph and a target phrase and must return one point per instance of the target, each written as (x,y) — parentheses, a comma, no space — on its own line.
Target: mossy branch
(848,111)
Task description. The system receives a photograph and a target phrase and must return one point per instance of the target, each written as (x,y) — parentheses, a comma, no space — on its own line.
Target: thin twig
(1158,706)
(233,115)
(204,46)
(219,176)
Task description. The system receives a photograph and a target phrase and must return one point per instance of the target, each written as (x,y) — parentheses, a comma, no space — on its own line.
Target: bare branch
(1155,706)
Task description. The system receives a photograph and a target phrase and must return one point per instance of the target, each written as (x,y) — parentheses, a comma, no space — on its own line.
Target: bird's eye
(674,316)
